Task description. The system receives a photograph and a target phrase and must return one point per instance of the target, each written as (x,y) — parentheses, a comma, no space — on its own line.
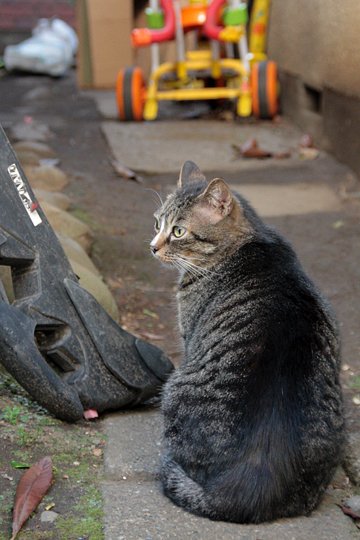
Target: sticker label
(30,206)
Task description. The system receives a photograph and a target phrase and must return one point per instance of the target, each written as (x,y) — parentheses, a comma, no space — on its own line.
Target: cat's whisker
(157,194)
(195,271)
(201,259)
(199,269)
(193,268)
(180,265)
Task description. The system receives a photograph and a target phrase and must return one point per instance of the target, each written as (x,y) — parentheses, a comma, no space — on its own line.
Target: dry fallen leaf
(115,283)
(97,452)
(349,512)
(251,149)
(306,141)
(150,313)
(30,490)
(124,172)
(308,153)
(151,336)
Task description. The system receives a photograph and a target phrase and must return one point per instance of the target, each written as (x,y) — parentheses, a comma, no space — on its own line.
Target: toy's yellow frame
(197,61)
(258,30)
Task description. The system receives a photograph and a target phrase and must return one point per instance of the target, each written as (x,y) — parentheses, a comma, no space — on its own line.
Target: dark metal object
(55,339)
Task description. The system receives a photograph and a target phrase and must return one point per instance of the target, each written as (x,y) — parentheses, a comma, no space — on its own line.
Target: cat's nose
(154,249)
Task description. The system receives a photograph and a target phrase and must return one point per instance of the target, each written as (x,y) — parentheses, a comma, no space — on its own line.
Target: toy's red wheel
(130,94)
(264,89)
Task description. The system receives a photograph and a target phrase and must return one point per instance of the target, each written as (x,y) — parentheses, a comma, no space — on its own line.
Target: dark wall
(22,15)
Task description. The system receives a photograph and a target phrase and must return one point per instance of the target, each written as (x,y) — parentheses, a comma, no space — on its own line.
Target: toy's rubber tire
(130,90)
(264,88)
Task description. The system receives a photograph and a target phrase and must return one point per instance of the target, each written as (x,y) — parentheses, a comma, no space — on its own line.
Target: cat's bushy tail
(182,490)
(243,494)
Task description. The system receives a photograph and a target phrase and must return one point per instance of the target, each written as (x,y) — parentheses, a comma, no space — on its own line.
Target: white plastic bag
(50,50)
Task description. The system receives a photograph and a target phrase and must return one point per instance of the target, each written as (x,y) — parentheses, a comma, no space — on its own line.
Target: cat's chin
(165,262)
(170,264)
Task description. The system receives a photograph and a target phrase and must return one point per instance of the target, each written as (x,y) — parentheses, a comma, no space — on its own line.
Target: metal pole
(154,48)
(242,44)
(180,41)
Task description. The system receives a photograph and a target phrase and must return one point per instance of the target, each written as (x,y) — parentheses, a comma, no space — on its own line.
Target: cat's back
(260,338)
(259,293)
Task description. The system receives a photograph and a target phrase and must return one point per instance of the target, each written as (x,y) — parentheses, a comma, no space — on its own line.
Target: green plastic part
(154,18)
(235,16)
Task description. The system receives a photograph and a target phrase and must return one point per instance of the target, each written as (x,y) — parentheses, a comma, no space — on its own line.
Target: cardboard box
(104,28)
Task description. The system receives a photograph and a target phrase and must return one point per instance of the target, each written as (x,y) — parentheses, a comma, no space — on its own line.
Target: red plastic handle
(211,28)
(142,37)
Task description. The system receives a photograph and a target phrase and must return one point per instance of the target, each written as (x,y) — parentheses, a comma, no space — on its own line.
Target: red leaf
(349,512)
(251,149)
(30,490)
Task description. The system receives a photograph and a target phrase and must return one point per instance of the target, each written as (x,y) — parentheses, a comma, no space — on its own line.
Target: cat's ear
(219,196)
(190,173)
(216,201)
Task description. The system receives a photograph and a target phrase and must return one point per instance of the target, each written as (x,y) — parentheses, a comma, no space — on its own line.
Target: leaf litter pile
(49,472)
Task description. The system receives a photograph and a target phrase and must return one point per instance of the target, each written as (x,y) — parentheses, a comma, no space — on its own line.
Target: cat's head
(200,224)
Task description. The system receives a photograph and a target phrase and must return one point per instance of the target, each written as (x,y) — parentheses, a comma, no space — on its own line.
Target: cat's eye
(157,225)
(178,232)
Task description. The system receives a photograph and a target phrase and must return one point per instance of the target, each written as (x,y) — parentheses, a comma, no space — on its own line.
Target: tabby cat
(253,417)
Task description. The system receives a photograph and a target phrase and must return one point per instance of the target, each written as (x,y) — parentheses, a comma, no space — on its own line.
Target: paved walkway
(310,203)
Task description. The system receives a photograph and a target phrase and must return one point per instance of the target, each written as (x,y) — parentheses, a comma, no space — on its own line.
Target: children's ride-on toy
(228,68)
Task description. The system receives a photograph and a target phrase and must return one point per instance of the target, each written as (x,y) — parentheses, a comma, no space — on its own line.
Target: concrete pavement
(313,203)
(135,508)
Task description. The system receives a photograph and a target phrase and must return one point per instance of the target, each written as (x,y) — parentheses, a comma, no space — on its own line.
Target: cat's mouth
(185,265)
(163,257)
(161,253)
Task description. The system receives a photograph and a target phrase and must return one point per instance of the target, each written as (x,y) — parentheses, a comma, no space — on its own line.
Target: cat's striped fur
(253,417)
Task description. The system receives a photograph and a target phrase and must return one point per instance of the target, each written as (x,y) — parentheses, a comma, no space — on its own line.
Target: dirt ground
(120,214)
